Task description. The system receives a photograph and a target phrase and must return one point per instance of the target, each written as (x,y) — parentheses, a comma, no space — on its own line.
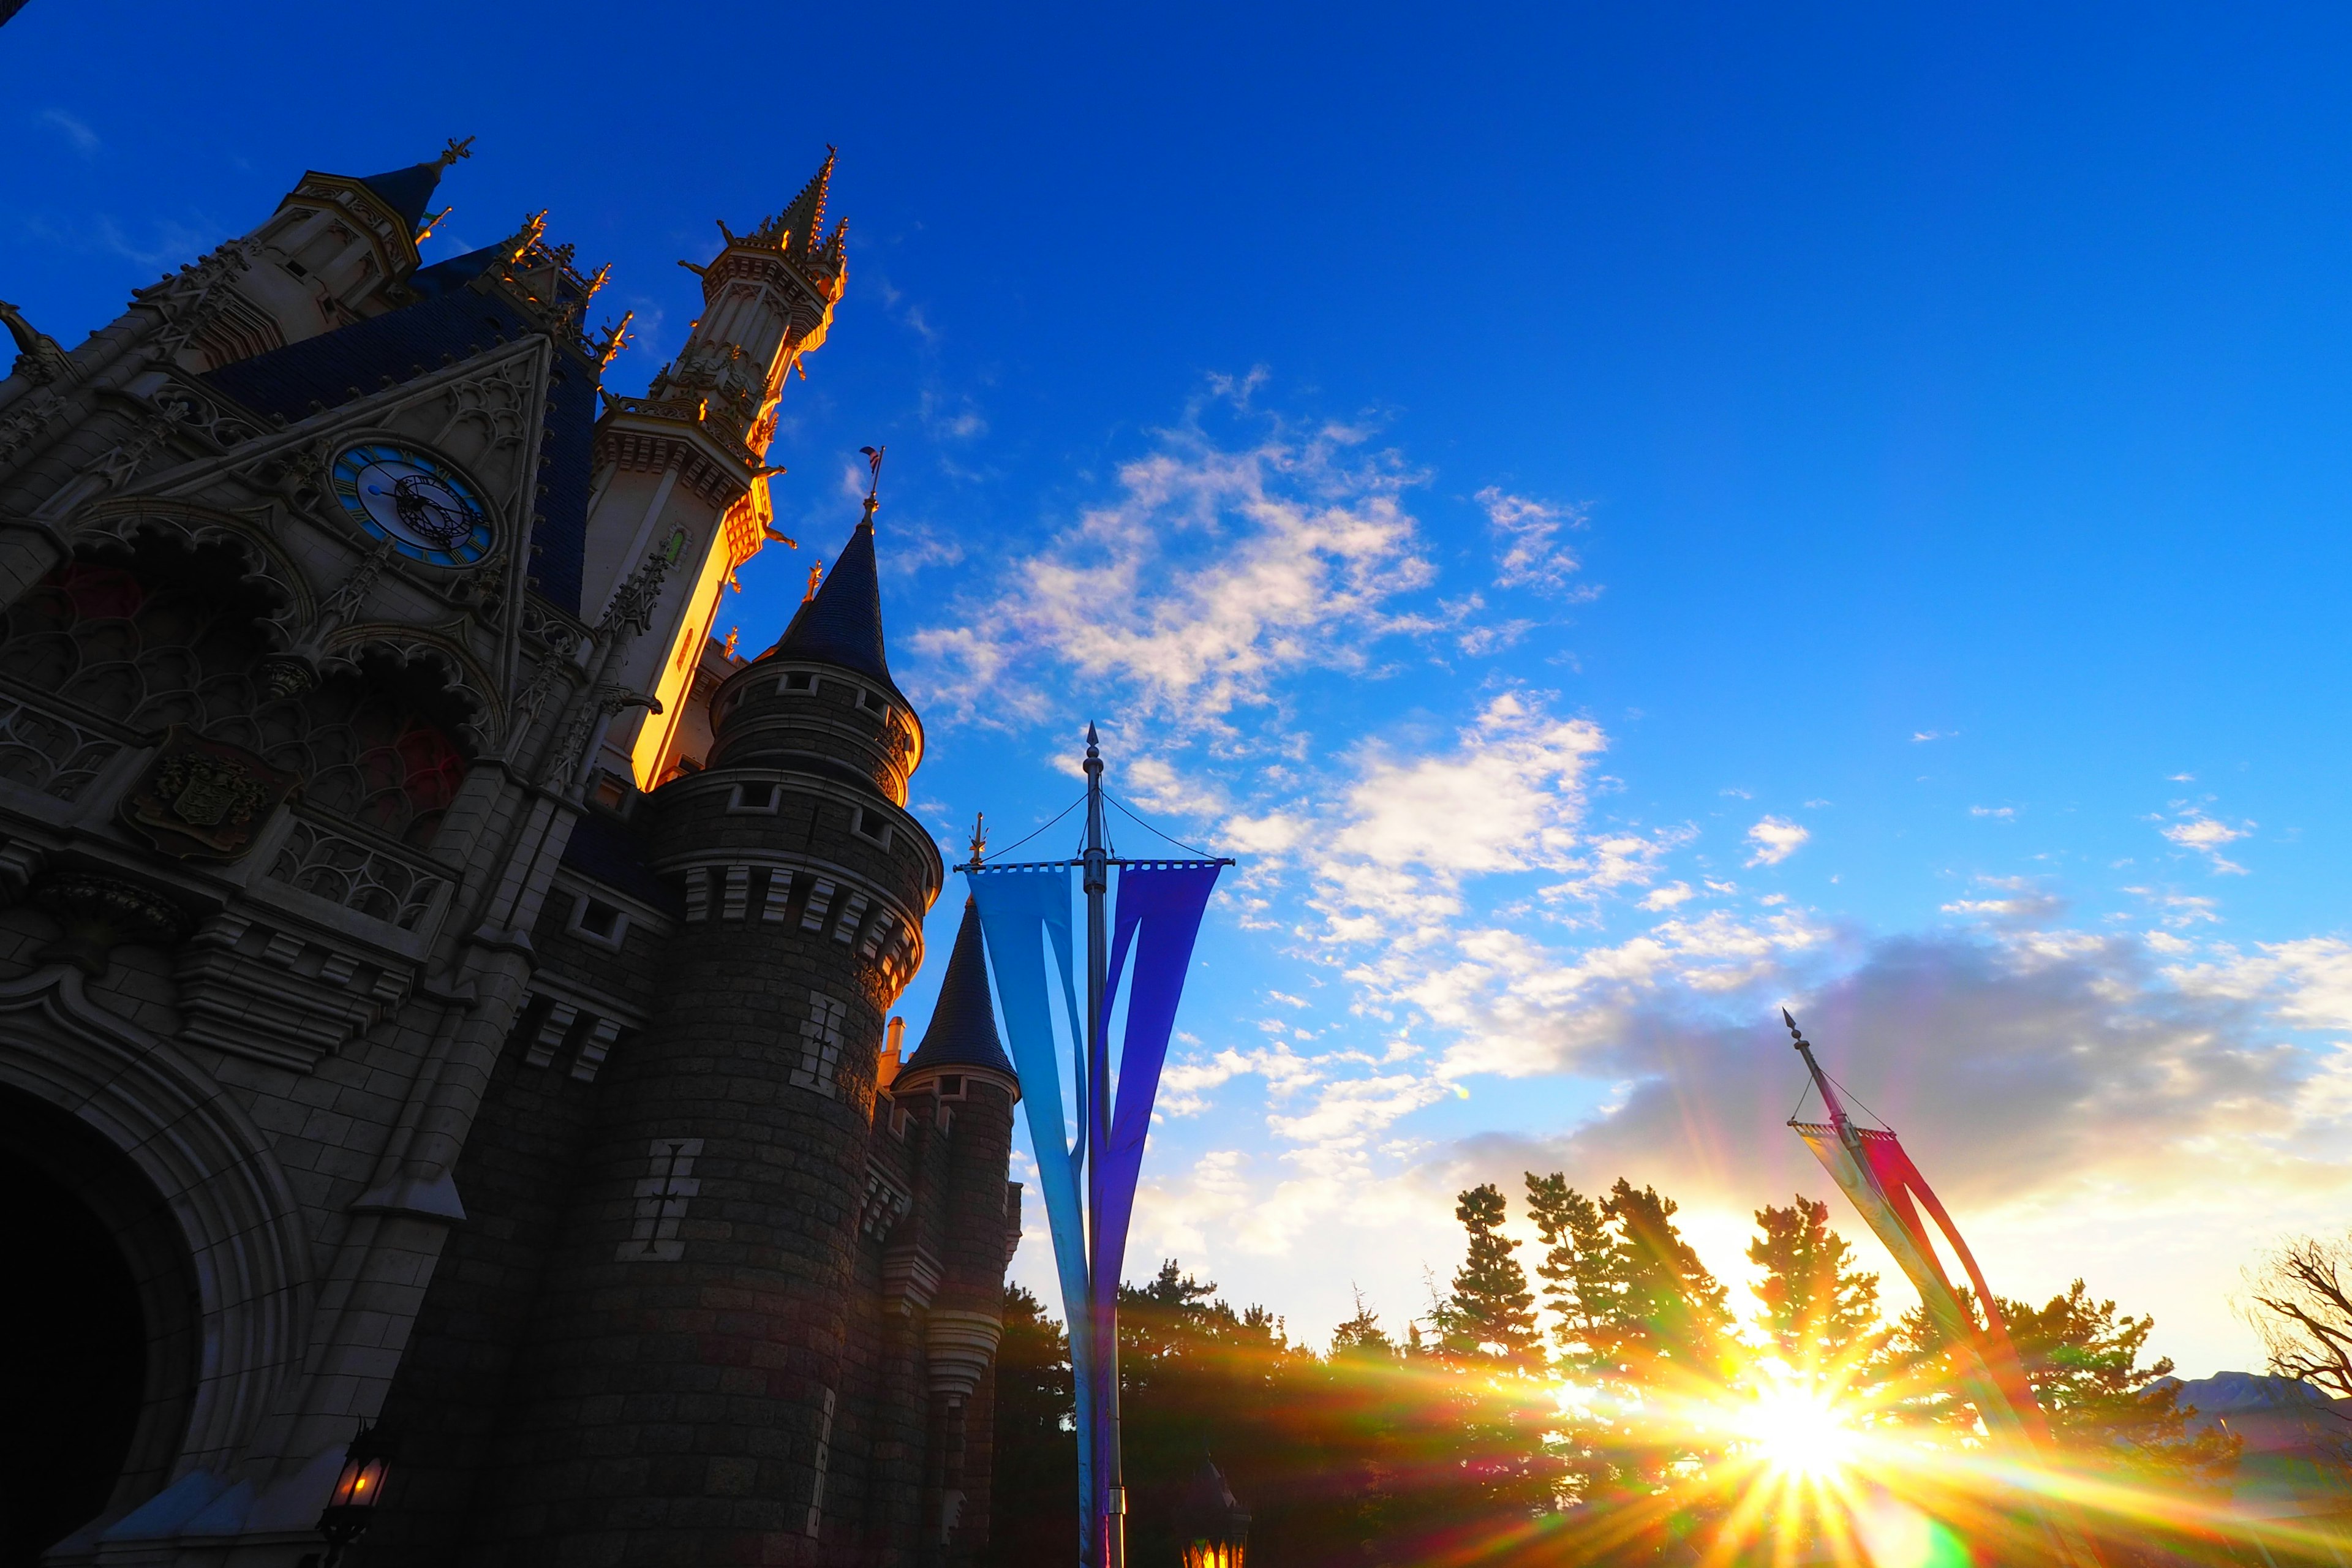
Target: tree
(2081,1358)
(1675,1317)
(1490,1319)
(1583,1284)
(1500,1410)
(1034,1514)
(2301,1304)
(1820,1312)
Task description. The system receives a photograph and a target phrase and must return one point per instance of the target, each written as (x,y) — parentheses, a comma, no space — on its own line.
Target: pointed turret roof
(801,225)
(408,191)
(963,1025)
(843,624)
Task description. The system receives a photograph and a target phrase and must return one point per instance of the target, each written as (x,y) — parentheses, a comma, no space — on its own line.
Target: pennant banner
(1020,907)
(1159,916)
(1156,920)
(1881,1188)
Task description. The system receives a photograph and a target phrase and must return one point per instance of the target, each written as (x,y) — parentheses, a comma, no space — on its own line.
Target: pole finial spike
(979,838)
(1092,738)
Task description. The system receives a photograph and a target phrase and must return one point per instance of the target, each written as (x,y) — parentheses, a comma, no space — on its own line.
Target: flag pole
(1110,1505)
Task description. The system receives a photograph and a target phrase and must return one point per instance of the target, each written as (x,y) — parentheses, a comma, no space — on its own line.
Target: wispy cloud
(1919,736)
(2205,836)
(1532,555)
(1775,840)
(1217,570)
(76,131)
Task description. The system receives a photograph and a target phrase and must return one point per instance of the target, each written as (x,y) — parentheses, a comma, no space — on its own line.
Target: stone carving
(43,751)
(188,300)
(203,800)
(99,913)
(361,878)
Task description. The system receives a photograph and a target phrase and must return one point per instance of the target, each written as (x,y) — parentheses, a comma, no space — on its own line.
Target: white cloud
(1921,735)
(2026,904)
(1214,573)
(2002,813)
(2206,836)
(1507,797)
(1532,555)
(1775,839)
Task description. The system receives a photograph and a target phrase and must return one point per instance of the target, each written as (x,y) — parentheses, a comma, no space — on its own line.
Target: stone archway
(187,1188)
(104,1303)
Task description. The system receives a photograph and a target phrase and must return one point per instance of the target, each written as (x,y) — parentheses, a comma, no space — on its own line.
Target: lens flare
(1799,1430)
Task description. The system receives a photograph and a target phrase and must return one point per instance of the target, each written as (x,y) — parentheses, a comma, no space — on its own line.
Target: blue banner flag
(1020,907)
(1160,909)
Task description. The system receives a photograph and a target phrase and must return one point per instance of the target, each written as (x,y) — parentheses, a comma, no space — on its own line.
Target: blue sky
(1622,519)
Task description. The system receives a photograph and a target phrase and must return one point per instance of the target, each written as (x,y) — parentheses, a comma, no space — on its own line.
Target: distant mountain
(2298,1454)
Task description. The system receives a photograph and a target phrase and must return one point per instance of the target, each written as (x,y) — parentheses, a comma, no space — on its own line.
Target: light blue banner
(1019,908)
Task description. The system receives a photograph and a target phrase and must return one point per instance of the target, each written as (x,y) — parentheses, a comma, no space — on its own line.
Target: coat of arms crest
(203,800)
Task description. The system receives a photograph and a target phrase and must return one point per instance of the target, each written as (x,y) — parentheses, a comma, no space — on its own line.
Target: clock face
(427,512)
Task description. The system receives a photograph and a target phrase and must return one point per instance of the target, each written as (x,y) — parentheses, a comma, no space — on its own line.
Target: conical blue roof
(963,1025)
(843,624)
(407,192)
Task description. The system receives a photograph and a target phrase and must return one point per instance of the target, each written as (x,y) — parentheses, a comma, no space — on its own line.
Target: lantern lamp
(1212,1526)
(359,1487)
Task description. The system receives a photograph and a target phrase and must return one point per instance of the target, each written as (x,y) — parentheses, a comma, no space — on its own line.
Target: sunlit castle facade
(441,987)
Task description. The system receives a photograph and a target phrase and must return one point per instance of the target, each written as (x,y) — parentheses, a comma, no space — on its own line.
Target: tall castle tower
(440,987)
(768,1253)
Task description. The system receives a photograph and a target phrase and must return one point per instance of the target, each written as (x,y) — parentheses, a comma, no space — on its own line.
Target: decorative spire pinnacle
(816,580)
(979,838)
(616,338)
(453,152)
(801,225)
(522,240)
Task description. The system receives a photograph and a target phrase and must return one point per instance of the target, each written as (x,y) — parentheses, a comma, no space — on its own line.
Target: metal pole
(1110,1506)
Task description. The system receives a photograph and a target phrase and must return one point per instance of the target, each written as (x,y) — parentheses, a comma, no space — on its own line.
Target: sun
(1799,1430)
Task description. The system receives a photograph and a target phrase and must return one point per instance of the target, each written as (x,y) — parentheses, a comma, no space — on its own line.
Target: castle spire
(800,228)
(962,1036)
(841,623)
(409,192)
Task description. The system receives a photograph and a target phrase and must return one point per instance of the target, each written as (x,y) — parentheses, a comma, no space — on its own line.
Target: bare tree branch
(2301,1304)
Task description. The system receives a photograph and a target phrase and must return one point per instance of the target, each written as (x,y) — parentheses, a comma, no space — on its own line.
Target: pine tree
(1495,1462)
(1036,1443)
(1820,1312)
(1490,1318)
(2082,1360)
(1675,1313)
(1583,1284)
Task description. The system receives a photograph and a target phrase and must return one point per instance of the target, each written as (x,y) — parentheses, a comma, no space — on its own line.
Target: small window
(951,1087)
(874,702)
(756,799)
(598,921)
(870,825)
(799,681)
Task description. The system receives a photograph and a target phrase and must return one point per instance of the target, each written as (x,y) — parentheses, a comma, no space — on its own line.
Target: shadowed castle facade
(439,985)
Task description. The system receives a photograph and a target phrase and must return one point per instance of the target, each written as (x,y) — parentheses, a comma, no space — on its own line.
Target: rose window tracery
(170,642)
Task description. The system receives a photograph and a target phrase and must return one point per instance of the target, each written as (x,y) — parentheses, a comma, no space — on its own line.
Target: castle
(441,987)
